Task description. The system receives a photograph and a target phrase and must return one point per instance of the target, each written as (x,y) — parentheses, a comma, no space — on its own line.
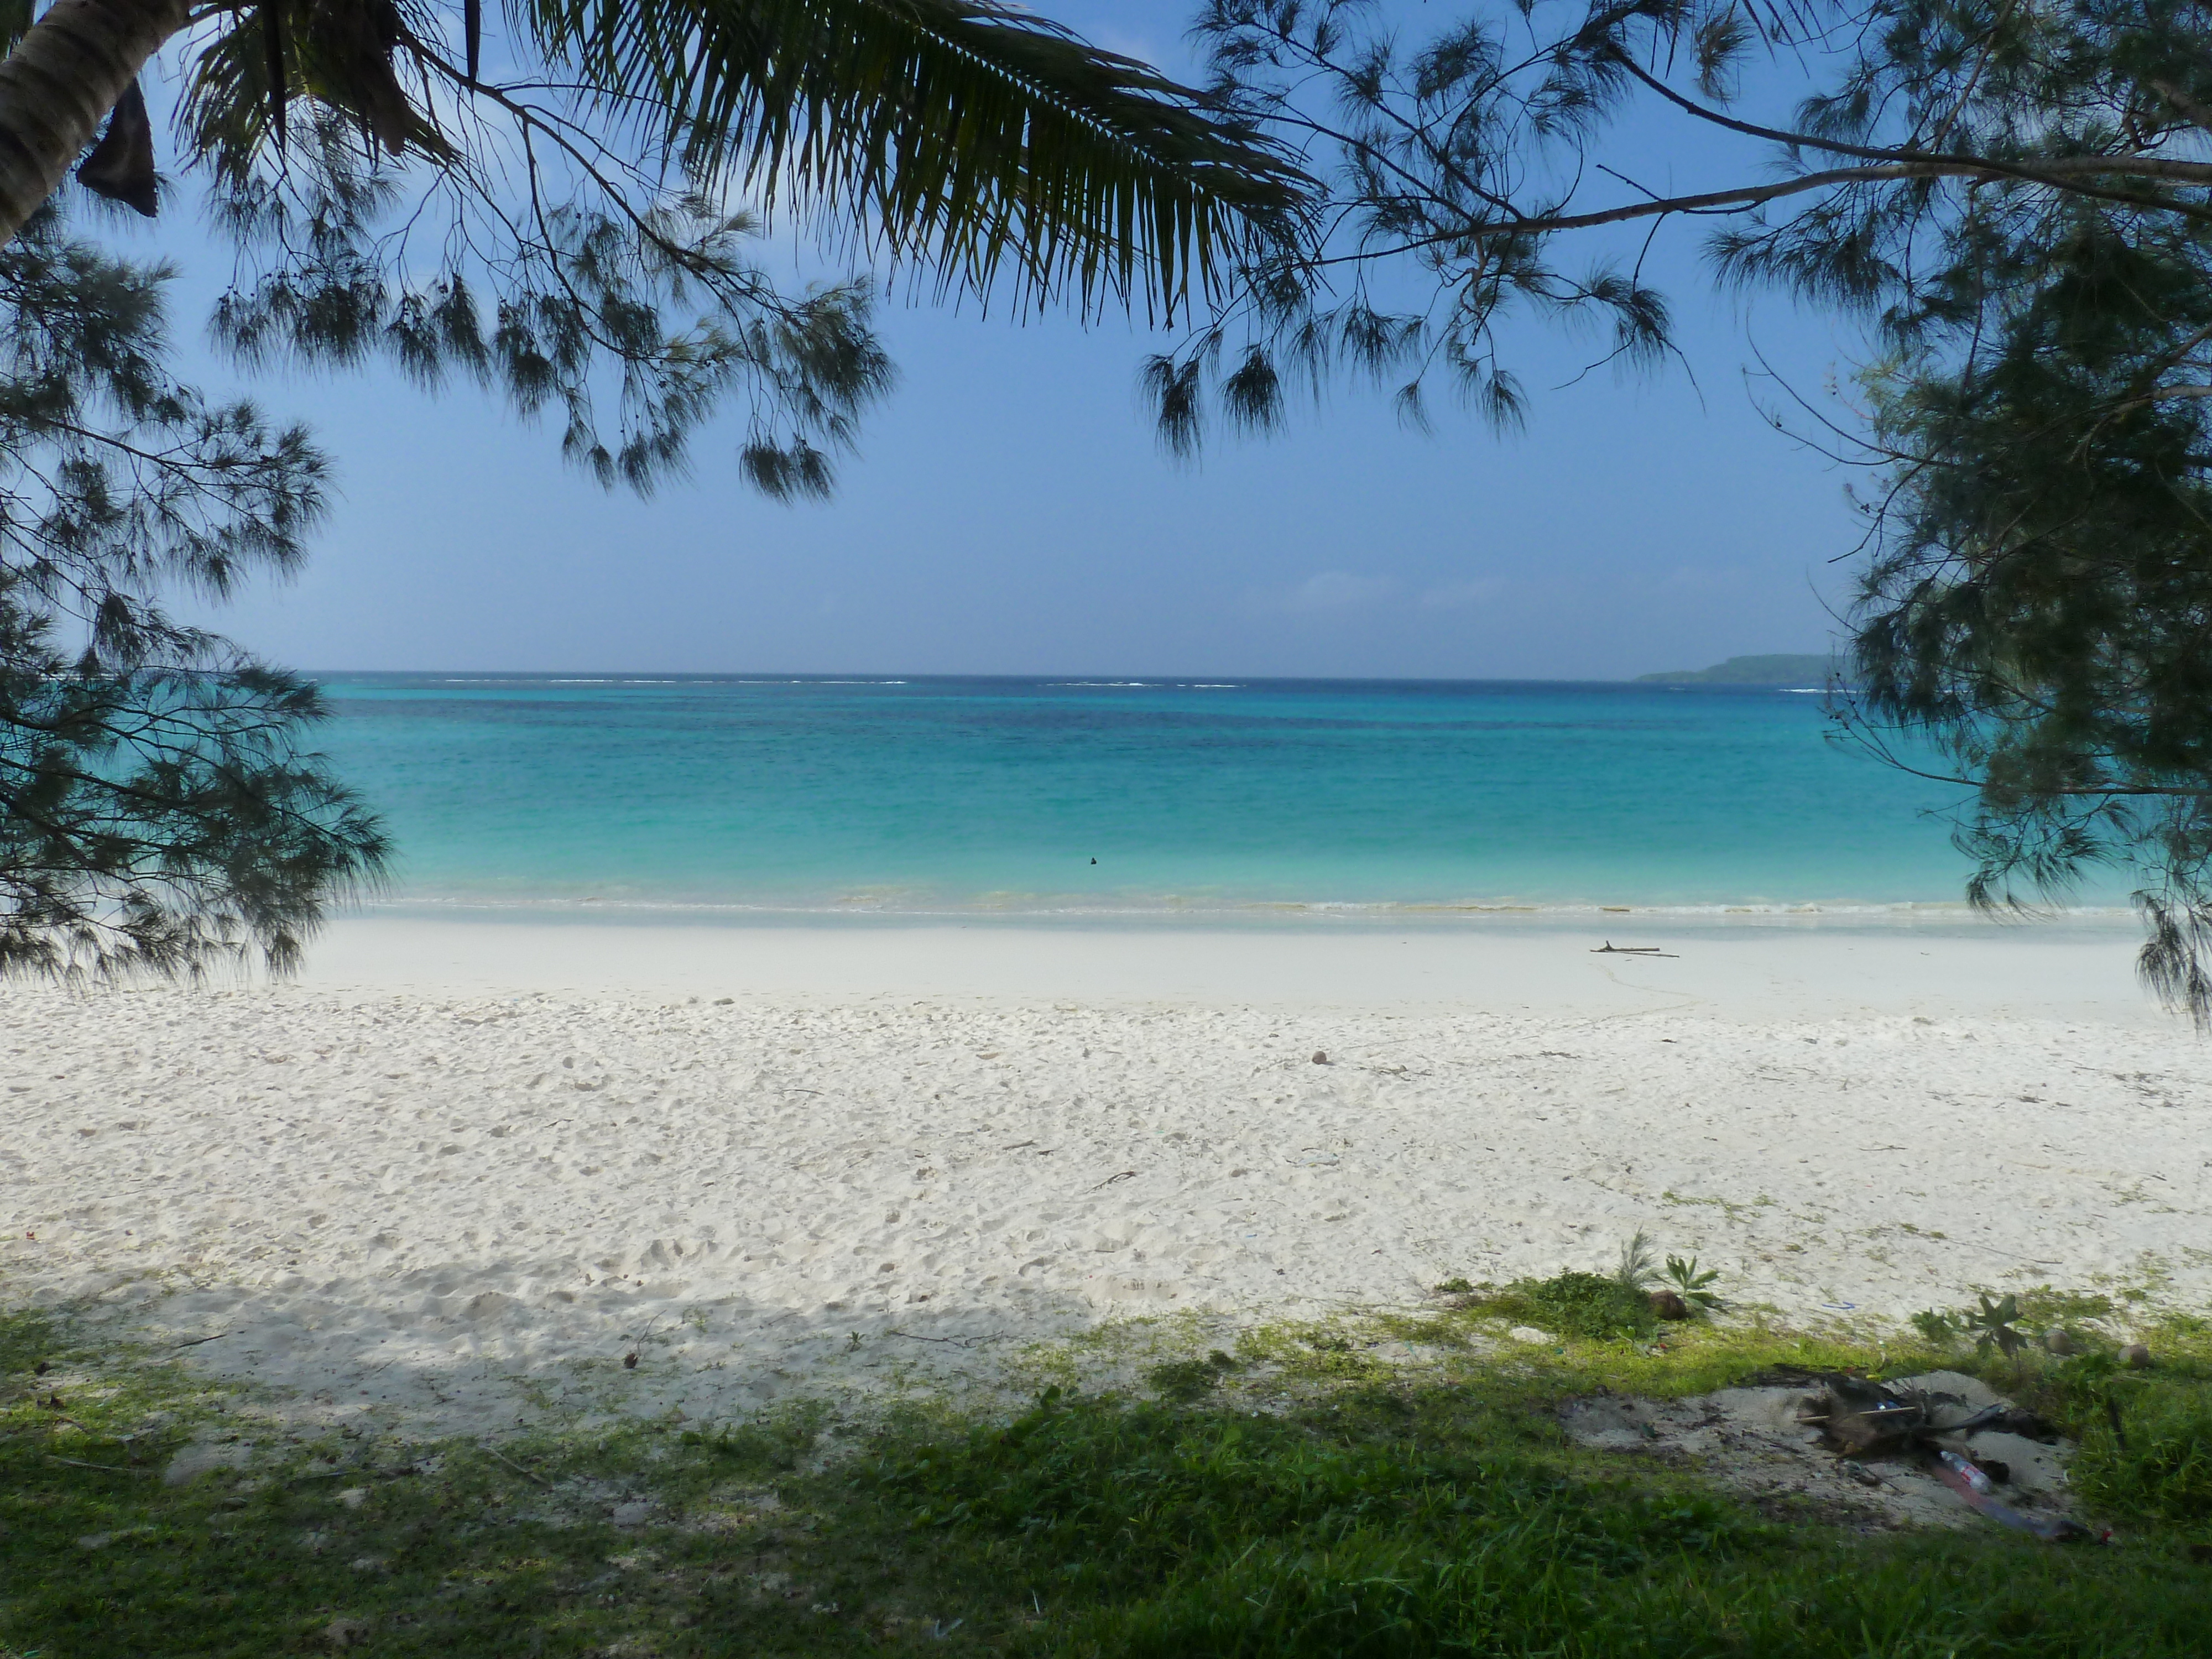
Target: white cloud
(1338,590)
(1454,596)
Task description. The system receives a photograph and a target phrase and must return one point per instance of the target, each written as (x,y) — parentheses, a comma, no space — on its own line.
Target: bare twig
(537,1479)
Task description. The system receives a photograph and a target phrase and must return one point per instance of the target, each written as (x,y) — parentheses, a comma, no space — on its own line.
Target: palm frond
(240,79)
(1694,1284)
(969,138)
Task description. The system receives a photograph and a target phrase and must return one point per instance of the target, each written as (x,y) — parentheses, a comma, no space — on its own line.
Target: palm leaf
(967,137)
(963,133)
(239,80)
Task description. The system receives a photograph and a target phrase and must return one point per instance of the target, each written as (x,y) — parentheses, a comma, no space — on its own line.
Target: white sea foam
(912,904)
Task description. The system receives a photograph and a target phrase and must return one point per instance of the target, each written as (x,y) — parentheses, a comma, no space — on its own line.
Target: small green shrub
(1582,1304)
(1941,1329)
(1694,1284)
(1992,1326)
(1637,1267)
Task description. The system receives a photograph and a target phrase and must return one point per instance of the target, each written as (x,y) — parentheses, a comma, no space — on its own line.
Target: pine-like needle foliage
(567,220)
(561,211)
(159,809)
(2038,600)
(2014,197)
(562,227)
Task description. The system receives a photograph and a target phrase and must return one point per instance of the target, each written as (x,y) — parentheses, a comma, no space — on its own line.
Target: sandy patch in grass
(1751,1441)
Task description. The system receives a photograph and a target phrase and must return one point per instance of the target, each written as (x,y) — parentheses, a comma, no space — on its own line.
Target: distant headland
(1752,670)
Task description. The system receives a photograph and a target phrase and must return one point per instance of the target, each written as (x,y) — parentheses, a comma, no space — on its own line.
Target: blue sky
(1010,513)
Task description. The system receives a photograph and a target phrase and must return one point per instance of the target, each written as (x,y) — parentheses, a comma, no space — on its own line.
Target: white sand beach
(459,1170)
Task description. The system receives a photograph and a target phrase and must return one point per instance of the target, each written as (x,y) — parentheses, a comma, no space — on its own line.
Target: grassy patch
(1580,1305)
(1301,1497)
(1183,1381)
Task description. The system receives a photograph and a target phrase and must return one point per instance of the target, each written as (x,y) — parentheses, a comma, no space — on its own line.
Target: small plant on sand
(1941,1329)
(1683,1291)
(1637,1268)
(1693,1285)
(1992,1325)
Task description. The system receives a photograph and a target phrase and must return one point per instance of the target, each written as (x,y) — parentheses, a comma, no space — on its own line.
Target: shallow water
(968,796)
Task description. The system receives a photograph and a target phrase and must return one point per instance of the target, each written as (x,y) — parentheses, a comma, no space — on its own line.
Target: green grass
(1300,1496)
(1574,1304)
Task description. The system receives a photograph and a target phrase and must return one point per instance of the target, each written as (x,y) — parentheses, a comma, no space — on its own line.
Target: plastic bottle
(1973,1476)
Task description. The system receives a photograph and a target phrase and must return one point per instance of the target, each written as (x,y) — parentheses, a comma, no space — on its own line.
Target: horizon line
(1100,678)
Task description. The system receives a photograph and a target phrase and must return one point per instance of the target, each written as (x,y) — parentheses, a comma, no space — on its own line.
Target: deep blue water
(967,795)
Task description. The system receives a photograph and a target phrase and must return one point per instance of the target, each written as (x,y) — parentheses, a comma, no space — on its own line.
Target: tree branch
(2048,171)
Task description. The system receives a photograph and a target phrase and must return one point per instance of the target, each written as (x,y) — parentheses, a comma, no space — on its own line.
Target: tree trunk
(57,86)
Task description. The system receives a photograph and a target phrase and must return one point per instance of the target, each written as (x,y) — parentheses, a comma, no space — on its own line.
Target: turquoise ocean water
(740,797)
